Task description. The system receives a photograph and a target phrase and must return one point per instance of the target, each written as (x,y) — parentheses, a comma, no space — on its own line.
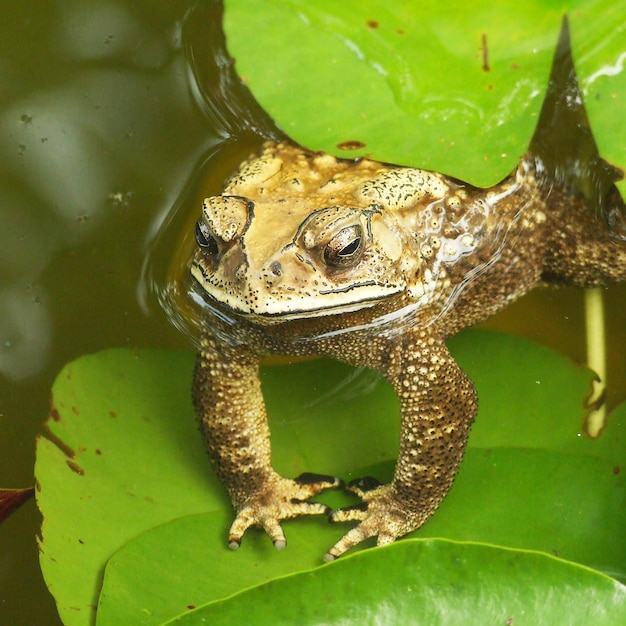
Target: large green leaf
(430,582)
(126,470)
(450,86)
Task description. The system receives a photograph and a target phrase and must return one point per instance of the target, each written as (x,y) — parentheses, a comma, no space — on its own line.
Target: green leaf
(125,474)
(530,396)
(531,499)
(124,455)
(429,582)
(453,87)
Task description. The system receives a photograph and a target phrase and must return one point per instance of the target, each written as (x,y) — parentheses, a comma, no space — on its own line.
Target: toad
(375,265)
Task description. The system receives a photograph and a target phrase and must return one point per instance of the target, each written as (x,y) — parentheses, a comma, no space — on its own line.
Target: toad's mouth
(273,307)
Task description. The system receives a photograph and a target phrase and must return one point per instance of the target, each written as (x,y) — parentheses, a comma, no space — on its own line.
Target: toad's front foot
(382,514)
(279,499)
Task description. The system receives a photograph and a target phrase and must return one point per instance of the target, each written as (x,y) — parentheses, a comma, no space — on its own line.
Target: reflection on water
(72,147)
(100,127)
(25,332)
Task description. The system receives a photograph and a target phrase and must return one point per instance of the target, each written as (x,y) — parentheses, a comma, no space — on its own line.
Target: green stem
(596,359)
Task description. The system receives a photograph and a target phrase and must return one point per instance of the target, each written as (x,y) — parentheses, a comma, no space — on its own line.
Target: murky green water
(105,141)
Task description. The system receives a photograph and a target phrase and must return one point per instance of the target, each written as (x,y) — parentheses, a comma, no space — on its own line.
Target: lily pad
(124,462)
(453,87)
(430,582)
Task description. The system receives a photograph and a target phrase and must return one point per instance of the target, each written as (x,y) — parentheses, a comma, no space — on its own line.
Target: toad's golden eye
(205,239)
(345,248)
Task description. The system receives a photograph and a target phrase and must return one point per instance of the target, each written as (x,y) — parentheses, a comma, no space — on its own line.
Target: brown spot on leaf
(372,24)
(616,470)
(75,467)
(485,51)
(75,410)
(61,445)
(352,144)
(112,414)
(98,451)
(54,415)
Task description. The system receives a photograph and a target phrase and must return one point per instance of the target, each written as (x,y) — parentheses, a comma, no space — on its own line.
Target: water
(99,134)
(108,143)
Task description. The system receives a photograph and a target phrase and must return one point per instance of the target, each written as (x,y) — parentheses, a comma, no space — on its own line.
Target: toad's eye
(205,239)
(345,248)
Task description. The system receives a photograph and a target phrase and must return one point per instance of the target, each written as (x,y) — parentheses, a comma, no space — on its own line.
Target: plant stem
(596,359)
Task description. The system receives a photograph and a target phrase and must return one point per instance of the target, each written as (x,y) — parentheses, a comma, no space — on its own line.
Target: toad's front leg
(229,404)
(438,404)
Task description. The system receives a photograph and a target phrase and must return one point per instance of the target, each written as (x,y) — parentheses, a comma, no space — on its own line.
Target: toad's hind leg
(587,247)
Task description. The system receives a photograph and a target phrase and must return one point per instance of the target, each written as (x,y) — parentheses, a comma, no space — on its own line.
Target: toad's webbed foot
(279,499)
(382,514)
